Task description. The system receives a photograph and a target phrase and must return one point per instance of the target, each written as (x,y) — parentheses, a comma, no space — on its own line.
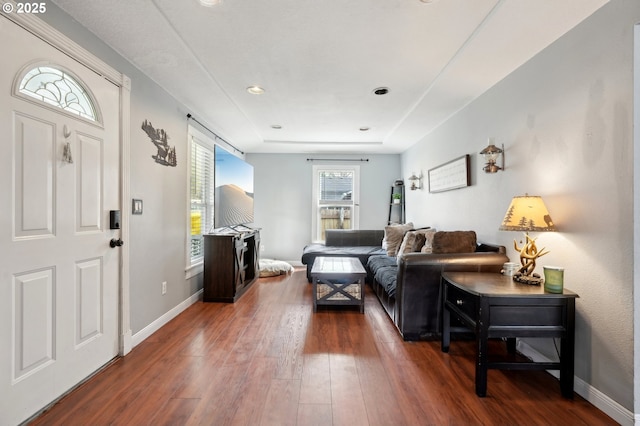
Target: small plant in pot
(396,198)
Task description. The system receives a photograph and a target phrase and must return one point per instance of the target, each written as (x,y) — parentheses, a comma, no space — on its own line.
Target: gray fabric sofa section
(345,243)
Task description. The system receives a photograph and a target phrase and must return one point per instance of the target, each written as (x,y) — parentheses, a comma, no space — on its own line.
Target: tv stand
(234,229)
(241,228)
(231,264)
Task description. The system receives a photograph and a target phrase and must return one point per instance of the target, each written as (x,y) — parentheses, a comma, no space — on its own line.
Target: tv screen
(233,190)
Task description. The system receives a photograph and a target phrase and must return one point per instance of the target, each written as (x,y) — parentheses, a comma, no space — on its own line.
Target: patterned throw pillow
(412,242)
(428,240)
(394,235)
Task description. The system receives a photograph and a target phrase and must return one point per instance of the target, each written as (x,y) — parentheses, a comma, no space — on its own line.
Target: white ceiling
(320,60)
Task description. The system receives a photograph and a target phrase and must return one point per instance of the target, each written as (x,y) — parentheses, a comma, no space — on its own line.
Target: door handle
(116,243)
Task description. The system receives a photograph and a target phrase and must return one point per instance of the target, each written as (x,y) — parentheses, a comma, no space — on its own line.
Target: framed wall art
(452,175)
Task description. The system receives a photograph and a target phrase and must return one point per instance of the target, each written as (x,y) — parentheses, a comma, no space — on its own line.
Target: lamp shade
(527,213)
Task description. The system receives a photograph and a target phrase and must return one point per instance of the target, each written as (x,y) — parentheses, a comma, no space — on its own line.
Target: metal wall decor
(452,175)
(67,156)
(166,154)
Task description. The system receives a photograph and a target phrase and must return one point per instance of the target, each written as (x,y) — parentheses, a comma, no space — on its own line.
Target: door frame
(636,225)
(59,41)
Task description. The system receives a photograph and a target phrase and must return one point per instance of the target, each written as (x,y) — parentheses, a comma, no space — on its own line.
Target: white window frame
(195,266)
(354,203)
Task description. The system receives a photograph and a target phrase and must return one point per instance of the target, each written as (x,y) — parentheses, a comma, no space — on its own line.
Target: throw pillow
(427,247)
(411,243)
(454,242)
(393,235)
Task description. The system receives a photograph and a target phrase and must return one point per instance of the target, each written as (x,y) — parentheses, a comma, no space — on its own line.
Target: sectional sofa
(405,274)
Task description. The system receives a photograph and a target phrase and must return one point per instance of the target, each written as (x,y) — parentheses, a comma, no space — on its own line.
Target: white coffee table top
(337,265)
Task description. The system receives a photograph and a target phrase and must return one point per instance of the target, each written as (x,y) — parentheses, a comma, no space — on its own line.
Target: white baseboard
(140,336)
(584,389)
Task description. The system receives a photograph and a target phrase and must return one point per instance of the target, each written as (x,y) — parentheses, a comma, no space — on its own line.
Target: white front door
(58,274)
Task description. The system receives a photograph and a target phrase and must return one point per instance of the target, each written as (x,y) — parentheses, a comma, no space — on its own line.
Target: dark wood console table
(495,306)
(231,264)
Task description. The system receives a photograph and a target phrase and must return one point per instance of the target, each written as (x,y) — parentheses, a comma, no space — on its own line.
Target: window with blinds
(201,184)
(335,195)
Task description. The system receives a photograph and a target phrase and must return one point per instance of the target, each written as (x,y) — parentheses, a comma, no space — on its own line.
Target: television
(233,194)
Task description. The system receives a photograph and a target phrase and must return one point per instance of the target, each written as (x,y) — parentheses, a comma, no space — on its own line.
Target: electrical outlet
(164,287)
(262,248)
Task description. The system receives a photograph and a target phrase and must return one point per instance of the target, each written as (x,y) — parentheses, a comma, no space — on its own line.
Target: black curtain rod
(190,117)
(337,159)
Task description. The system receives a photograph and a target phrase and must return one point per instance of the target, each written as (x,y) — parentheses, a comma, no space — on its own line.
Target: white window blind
(335,185)
(201,184)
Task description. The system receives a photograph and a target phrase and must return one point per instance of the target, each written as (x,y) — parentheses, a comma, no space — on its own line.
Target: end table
(494,306)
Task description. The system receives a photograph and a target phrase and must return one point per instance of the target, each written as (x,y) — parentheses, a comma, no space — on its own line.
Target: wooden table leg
(482,348)
(315,294)
(567,353)
(446,320)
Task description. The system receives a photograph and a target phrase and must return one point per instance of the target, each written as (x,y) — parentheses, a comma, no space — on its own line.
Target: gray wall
(565,118)
(157,240)
(283,199)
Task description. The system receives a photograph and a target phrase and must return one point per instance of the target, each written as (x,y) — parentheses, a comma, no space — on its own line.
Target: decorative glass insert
(59,89)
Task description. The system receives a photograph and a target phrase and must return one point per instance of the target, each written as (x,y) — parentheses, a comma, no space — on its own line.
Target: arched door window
(59,89)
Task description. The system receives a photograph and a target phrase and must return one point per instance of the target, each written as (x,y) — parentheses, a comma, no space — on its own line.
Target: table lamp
(528,213)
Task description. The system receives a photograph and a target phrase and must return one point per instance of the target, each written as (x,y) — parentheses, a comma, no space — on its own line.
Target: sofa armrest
(418,307)
(431,260)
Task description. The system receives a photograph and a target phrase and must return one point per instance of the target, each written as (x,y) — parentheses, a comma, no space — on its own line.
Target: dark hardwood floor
(269,360)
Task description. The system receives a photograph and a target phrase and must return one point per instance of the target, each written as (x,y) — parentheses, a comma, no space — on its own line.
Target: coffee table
(338,281)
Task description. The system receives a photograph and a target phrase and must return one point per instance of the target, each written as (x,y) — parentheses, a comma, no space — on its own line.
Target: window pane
(335,194)
(57,88)
(334,217)
(336,185)
(201,184)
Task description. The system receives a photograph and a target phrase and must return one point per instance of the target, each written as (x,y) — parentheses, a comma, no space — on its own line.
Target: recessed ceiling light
(255,90)
(276,126)
(210,3)
(381,91)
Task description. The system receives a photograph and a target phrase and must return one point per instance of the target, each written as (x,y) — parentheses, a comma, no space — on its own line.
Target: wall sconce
(491,154)
(416,181)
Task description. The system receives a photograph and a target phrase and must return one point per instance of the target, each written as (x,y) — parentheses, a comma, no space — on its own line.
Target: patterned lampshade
(527,213)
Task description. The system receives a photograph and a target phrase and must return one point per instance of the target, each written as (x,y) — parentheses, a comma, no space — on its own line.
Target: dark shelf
(231,265)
